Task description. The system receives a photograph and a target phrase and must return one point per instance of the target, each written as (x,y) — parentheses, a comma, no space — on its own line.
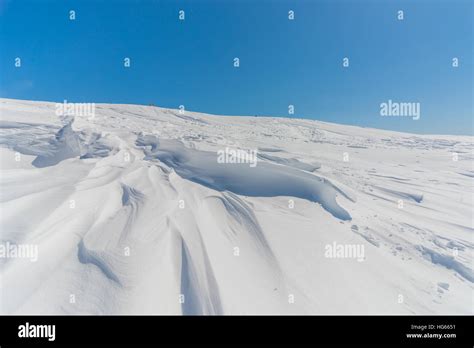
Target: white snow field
(132,213)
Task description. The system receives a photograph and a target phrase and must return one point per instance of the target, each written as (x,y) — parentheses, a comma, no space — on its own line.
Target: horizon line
(248,116)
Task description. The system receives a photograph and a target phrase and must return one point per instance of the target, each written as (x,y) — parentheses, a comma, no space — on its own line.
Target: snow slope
(132,213)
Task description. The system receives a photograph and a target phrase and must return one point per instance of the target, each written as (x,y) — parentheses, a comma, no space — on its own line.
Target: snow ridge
(133,213)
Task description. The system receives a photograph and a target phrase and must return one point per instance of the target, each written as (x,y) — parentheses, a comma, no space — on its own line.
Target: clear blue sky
(282,62)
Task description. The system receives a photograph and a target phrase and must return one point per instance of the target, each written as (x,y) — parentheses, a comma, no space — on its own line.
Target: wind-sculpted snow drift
(132,212)
(265,180)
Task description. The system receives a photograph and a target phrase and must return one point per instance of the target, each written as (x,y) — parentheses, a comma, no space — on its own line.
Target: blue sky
(282,62)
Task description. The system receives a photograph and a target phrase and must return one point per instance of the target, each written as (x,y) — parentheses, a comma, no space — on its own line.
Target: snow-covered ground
(132,212)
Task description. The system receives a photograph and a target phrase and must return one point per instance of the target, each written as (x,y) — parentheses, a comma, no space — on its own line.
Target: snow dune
(264,180)
(133,213)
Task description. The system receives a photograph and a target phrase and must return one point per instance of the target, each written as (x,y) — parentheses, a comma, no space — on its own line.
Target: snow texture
(132,213)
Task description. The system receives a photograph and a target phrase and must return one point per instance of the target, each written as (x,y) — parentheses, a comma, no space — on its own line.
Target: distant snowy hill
(145,210)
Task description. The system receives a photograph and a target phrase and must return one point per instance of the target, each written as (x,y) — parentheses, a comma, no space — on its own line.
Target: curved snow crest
(87,256)
(242,216)
(66,144)
(263,180)
(198,298)
(130,195)
(447,261)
